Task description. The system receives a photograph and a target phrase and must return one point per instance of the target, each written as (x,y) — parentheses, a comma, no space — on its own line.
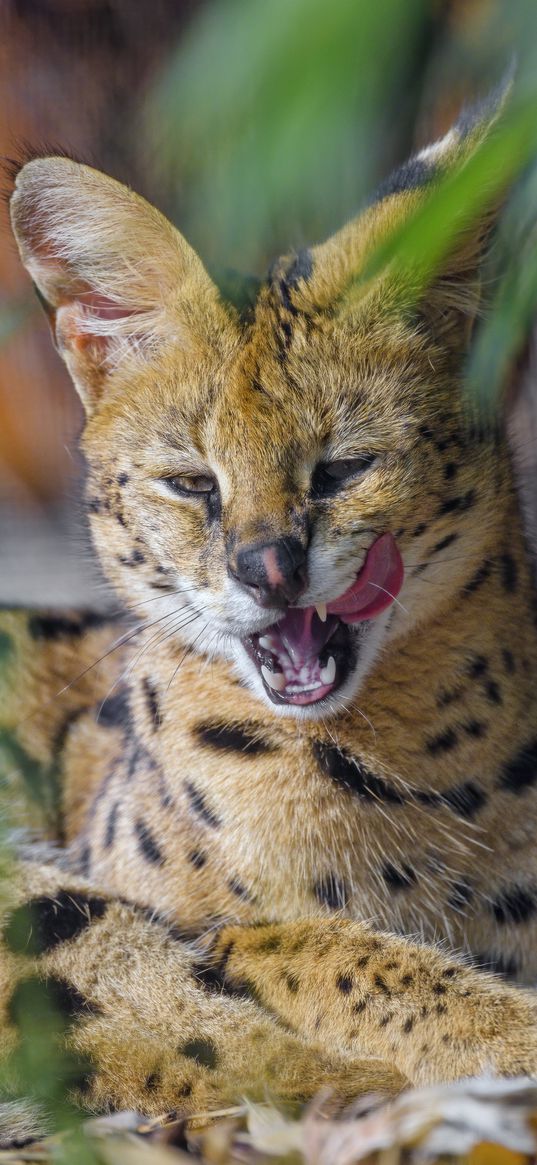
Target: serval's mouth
(309,653)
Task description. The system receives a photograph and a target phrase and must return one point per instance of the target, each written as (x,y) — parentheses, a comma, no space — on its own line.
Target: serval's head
(288,487)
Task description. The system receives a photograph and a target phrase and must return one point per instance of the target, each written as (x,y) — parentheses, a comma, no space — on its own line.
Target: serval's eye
(191,483)
(330,476)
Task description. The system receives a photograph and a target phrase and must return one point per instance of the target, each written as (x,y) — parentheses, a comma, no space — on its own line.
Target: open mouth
(309,654)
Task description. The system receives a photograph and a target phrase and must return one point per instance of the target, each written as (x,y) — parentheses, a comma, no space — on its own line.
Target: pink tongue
(375,588)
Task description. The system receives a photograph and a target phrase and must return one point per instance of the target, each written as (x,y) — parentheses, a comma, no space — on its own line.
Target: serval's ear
(116,278)
(330,277)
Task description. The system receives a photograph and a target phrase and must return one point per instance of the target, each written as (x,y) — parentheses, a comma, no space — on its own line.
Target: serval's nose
(273,573)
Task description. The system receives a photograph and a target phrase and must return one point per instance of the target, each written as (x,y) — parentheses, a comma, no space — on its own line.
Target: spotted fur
(203,928)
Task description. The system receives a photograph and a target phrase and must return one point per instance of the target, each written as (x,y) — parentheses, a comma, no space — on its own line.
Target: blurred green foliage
(273,122)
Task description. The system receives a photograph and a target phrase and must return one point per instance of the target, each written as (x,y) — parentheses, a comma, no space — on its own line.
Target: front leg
(357,992)
(149,1027)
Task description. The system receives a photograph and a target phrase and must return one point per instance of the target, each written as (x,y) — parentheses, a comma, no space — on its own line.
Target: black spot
(331,891)
(299,269)
(135,559)
(232,738)
(344,983)
(359,1007)
(440,1008)
(197,858)
(236,887)
(151,697)
(94,505)
(123,478)
(408,1024)
(202,1051)
(121,519)
(147,844)
(481,575)
(55,627)
(509,572)
(492,692)
(270,945)
(153,1081)
(450,972)
(213,502)
(385,1019)
(293,983)
(445,698)
(508,661)
(465,799)
(477,666)
(458,505)
(66,1000)
(115,711)
(439,989)
(474,728)
(43,923)
(406,980)
(502,965)
(444,543)
(200,806)
(444,742)
(347,771)
(520,773)
(381,985)
(421,529)
(461,894)
(450,471)
(398,879)
(514,905)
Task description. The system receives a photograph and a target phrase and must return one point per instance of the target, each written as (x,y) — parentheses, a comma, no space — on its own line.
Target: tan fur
(406,805)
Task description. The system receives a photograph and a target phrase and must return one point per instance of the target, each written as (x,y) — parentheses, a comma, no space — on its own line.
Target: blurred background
(256,125)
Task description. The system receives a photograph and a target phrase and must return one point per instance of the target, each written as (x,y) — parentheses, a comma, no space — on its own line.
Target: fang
(328,673)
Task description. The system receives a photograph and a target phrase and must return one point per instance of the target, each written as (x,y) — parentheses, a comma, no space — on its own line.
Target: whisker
(133,662)
(393,597)
(185,653)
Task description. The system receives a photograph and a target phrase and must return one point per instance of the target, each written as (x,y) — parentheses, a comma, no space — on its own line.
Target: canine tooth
(274,680)
(328,673)
(321,611)
(265,642)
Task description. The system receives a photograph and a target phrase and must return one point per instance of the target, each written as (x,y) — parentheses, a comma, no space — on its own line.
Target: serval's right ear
(117,279)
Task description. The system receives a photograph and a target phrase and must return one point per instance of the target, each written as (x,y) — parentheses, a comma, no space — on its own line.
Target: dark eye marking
(186,484)
(330,476)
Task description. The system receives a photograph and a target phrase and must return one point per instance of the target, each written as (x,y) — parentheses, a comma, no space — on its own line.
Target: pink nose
(274,573)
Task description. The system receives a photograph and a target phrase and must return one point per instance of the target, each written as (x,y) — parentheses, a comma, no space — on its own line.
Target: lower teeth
(274,679)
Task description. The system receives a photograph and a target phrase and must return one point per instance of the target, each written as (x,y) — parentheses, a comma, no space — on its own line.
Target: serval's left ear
(117,279)
(333,276)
